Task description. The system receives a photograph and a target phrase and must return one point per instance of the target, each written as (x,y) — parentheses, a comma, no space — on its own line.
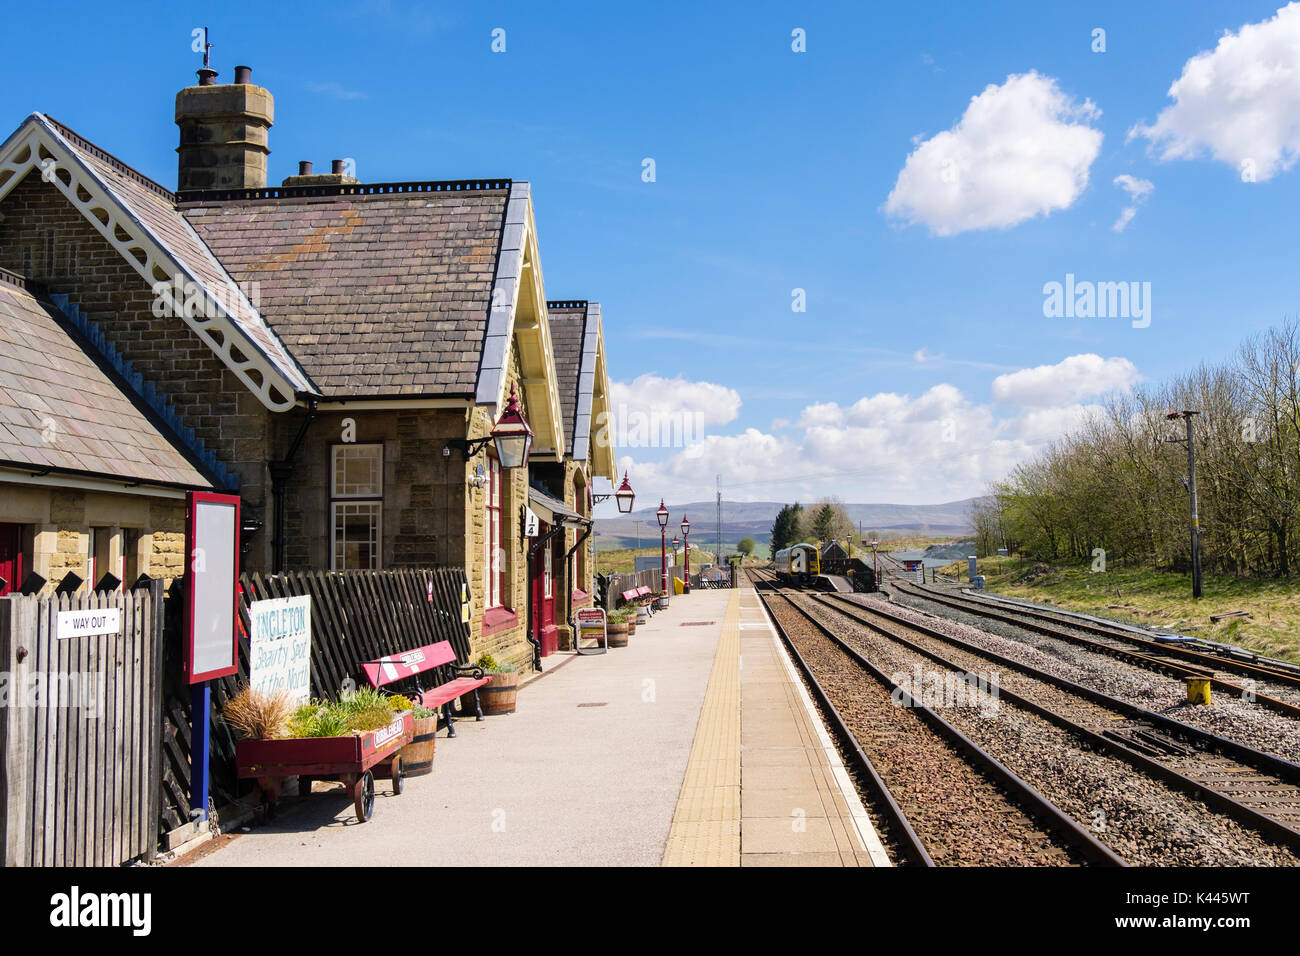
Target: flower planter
(631,626)
(499,696)
(417,756)
(617,633)
(349,758)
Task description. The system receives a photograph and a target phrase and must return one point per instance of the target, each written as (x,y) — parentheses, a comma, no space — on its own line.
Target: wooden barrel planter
(617,632)
(499,696)
(417,756)
(631,626)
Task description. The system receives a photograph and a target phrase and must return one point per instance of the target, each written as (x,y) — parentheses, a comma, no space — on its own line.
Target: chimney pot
(243,74)
(304,167)
(223,133)
(338,166)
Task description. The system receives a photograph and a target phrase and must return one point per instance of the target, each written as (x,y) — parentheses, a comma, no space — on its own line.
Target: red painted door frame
(545,631)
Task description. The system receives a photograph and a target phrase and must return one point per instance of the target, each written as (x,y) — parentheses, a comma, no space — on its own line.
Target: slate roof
(60,408)
(154,206)
(568,321)
(376,294)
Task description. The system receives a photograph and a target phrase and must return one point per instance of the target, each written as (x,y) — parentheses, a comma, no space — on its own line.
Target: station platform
(765,785)
(694,745)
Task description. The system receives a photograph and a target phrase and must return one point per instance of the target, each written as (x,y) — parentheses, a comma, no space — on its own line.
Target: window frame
(335,499)
(494,564)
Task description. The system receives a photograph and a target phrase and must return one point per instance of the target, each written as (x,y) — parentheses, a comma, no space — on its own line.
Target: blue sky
(772,173)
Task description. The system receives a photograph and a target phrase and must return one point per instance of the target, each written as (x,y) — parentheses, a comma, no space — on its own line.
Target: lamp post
(686,543)
(676,542)
(662,515)
(1191,498)
(875,564)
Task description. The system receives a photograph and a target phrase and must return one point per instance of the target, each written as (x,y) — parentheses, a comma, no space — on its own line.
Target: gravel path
(1142,819)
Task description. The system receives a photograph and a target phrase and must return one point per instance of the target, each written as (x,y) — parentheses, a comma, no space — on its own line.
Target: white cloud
(705,403)
(1069,380)
(1239,103)
(1022,149)
(889,447)
(1139,191)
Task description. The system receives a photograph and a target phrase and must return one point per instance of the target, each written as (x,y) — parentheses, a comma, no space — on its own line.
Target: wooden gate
(80,731)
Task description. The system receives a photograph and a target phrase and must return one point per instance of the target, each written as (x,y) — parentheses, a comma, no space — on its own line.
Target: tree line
(823,522)
(1116,488)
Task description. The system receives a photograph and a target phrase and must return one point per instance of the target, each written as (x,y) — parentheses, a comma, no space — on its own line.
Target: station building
(334,352)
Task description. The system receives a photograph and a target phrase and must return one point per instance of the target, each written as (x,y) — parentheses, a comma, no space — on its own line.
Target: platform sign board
(89,623)
(590,626)
(211,585)
(279,646)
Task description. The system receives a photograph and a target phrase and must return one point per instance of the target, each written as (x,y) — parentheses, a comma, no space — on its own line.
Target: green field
(620,559)
(1148,597)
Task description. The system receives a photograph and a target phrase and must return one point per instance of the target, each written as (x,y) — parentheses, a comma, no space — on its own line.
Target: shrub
(257,715)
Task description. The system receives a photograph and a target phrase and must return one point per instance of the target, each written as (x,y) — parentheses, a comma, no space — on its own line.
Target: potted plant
(417,756)
(499,696)
(616,626)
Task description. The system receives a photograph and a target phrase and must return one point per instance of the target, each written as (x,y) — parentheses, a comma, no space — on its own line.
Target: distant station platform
(696,745)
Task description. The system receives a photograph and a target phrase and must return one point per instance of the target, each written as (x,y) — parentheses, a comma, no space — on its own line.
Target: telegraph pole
(718,557)
(1186,416)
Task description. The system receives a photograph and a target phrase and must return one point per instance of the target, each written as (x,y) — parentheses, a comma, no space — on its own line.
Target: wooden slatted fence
(356,616)
(80,731)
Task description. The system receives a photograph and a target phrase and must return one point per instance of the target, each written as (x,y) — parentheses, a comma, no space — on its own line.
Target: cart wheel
(363,796)
(398,776)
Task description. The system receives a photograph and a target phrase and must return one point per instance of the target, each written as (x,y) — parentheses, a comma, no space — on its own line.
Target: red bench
(439,660)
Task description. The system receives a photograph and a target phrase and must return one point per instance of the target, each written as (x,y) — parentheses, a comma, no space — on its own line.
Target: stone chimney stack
(223,133)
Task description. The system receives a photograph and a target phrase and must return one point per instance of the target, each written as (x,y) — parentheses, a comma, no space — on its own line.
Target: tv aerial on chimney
(207,48)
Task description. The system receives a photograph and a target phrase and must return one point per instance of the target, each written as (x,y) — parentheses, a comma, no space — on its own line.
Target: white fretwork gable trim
(227,321)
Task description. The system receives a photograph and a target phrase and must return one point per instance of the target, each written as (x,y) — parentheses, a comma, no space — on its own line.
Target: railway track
(1258,789)
(1179,663)
(956,803)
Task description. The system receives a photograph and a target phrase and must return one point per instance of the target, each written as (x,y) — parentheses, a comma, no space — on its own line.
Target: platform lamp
(662,515)
(510,435)
(624,496)
(686,543)
(676,542)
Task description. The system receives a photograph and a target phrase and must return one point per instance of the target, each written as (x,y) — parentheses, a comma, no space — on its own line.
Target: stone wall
(45,239)
(58,526)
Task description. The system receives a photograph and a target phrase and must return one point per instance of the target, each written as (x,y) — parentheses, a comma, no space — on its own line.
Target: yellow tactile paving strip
(706,824)
(764,785)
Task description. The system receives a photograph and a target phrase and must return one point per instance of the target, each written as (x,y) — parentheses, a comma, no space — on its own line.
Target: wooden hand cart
(353,759)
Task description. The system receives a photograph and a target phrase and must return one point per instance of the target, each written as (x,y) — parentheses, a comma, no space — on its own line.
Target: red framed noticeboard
(211,585)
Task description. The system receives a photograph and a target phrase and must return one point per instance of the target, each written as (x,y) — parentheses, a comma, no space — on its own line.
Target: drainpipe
(280,472)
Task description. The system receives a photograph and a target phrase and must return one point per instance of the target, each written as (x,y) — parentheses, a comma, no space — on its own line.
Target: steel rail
(1212,661)
(1144,661)
(1030,799)
(1257,760)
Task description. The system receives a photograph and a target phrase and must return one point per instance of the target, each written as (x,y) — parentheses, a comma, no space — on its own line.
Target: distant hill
(754,519)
